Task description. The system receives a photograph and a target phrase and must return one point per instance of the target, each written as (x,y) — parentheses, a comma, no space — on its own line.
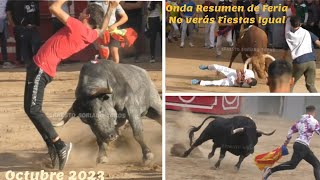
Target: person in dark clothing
(134,12)
(24,16)
(154,22)
(246,4)
(237,27)
(313,16)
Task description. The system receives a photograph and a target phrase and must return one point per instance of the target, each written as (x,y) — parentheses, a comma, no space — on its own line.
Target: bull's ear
(259,134)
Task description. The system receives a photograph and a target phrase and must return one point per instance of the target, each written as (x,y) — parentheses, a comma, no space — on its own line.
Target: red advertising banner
(205,104)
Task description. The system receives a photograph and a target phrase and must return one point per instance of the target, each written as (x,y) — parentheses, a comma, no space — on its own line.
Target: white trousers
(228,38)
(230,74)
(209,34)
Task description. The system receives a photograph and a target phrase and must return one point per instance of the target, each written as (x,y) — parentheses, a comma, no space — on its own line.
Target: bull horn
(102,90)
(269,56)
(237,130)
(65,118)
(247,62)
(264,133)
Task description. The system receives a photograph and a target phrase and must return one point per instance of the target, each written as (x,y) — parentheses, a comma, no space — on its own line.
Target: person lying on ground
(235,78)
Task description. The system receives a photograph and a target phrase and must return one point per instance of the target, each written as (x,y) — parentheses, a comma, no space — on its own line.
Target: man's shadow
(24,161)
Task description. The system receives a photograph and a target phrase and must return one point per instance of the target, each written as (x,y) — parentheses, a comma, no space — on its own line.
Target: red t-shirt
(70,39)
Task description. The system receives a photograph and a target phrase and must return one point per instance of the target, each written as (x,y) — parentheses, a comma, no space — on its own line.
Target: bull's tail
(195,129)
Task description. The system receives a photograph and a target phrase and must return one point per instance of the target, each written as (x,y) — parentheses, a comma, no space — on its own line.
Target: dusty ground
(177,126)
(182,66)
(22,149)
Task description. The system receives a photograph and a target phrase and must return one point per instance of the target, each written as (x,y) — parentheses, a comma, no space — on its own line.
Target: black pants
(236,31)
(16,32)
(30,43)
(4,51)
(56,25)
(300,152)
(155,28)
(36,81)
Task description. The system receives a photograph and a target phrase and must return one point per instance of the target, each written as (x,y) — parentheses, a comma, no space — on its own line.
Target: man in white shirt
(238,78)
(300,42)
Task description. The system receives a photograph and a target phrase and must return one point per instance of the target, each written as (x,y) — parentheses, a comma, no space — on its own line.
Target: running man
(236,78)
(73,37)
(306,127)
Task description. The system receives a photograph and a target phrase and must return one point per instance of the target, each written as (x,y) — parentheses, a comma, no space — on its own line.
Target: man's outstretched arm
(112,6)
(55,9)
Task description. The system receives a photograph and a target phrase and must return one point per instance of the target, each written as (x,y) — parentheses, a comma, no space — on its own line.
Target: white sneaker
(191,45)
(182,45)
(266,173)
(8,65)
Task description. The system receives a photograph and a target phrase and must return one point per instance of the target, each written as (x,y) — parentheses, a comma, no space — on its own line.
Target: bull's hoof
(215,168)
(236,168)
(210,155)
(148,158)
(102,160)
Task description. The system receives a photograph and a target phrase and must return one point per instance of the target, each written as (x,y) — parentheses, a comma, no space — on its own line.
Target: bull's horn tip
(59,124)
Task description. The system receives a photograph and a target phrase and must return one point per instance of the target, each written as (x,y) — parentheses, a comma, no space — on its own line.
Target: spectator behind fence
(301,12)
(24,16)
(4,35)
(247,14)
(209,27)
(187,26)
(280,78)
(317,3)
(56,24)
(174,29)
(237,27)
(135,15)
(154,22)
(291,12)
(264,14)
(313,16)
(113,25)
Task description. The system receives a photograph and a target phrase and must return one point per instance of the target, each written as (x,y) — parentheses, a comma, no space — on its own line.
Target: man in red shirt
(75,36)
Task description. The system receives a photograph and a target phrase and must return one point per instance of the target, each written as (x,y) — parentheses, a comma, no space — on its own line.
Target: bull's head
(97,111)
(260,64)
(252,135)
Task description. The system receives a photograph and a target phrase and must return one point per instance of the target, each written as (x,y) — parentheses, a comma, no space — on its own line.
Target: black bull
(238,135)
(108,95)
